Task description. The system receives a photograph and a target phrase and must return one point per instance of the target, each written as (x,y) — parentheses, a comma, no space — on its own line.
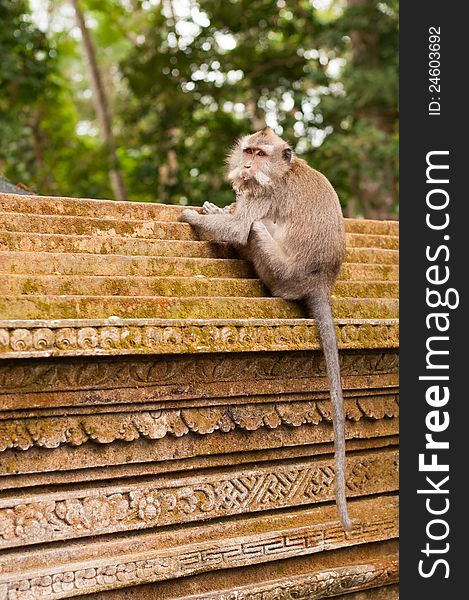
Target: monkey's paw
(190,216)
(210,209)
(259,228)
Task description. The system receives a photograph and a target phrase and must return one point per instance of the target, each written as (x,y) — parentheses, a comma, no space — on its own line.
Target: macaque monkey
(288,222)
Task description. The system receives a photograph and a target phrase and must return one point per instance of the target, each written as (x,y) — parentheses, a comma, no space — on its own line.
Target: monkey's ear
(286,154)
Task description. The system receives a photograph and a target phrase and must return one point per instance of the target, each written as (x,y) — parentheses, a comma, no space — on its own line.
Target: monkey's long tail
(319,307)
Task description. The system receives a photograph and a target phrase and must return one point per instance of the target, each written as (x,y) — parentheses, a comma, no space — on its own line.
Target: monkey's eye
(261,153)
(248,150)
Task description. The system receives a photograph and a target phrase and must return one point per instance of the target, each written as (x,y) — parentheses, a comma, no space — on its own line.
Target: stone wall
(165,425)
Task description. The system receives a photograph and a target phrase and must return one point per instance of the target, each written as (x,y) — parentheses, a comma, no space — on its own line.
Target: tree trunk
(256,116)
(101,106)
(45,183)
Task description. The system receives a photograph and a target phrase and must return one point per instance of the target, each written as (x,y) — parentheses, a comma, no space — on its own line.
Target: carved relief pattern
(105,428)
(102,373)
(197,558)
(186,336)
(208,497)
(324,584)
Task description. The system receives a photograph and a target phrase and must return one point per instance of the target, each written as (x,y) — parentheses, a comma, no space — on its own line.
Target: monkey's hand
(212,209)
(209,209)
(190,216)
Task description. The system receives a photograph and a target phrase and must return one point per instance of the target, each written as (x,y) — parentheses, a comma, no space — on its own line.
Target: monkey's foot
(190,216)
(210,209)
(259,228)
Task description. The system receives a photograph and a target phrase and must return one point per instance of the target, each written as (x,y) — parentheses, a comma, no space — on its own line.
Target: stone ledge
(78,337)
(81,511)
(326,570)
(122,560)
(107,428)
(371,576)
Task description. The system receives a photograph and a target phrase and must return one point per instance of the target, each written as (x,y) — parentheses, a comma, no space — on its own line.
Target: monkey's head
(259,159)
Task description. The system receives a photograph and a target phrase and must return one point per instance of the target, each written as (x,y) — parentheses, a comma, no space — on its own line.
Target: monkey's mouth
(246,176)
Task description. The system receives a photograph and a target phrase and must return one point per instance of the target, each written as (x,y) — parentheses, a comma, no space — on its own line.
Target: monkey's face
(258,159)
(255,165)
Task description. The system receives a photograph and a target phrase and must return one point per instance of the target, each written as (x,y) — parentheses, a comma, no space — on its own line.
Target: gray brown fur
(287,220)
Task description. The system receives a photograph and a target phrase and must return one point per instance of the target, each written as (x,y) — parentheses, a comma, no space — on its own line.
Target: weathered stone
(35,306)
(370,240)
(45,263)
(377,562)
(167,378)
(45,242)
(55,205)
(148,229)
(60,572)
(95,244)
(103,227)
(91,285)
(70,337)
(321,584)
(157,423)
(165,425)
(166,501)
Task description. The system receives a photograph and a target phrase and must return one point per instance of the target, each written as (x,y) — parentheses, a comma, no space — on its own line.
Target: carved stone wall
(151,453)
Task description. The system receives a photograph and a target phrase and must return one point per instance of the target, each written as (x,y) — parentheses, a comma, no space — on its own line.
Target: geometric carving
(321,584)
(75,430)
(52,516)
(171,556)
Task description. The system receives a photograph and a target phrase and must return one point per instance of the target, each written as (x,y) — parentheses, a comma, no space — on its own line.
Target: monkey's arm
(223,227)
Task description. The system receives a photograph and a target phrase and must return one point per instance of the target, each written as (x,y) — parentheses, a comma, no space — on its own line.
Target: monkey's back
(314,232)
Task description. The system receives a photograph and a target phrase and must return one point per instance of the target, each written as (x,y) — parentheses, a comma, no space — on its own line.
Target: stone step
(90,285)
(87,207)
(380,256)
(367,240)
(102,307)
(44,242)
(54,205)
(365,272)
(112,245)
(150,229)
(56,263)
(59,285)
(73,225)
(50,263)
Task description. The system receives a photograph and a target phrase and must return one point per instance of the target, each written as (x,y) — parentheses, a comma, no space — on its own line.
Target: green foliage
(25,67)
(184,83)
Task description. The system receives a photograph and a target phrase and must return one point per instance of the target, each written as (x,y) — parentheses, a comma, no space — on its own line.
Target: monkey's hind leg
(271,263)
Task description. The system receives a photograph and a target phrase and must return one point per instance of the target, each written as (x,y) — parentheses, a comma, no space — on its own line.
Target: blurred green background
(142,99)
